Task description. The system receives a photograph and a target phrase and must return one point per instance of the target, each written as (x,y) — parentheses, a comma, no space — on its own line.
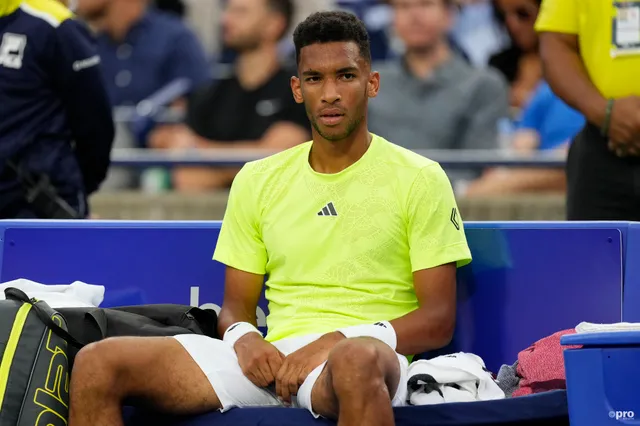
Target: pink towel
(541,365)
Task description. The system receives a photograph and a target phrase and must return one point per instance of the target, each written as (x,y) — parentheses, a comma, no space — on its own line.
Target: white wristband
(381,330)
(237,330)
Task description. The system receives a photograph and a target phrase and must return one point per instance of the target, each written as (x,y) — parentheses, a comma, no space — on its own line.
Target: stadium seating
(528,280)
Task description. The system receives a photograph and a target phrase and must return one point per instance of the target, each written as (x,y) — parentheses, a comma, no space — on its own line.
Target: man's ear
(296,88)
(373,85)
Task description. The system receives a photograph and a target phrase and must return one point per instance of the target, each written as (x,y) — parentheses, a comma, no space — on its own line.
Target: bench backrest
(527,280)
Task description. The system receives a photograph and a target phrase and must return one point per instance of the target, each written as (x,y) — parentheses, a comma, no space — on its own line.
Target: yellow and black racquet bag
(34,367)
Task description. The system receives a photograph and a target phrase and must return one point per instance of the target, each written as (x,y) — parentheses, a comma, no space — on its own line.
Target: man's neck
(422,62)
(331,157)
(254,68)
(119,20)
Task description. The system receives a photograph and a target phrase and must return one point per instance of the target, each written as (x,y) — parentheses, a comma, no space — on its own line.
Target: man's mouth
(331,118)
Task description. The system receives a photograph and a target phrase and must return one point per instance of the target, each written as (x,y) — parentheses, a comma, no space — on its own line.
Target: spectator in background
(302,9)
(55,119)
(520,62)
(176,7)
(547,125)
(590,55)
(431,98)
(477,32)
(252,109)
(143,49)
(203,16)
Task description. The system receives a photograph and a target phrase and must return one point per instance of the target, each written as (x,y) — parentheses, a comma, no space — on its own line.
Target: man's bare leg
(358,383)
(156,370)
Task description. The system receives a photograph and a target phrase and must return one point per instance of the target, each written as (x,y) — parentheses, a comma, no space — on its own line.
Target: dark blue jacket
(55,115)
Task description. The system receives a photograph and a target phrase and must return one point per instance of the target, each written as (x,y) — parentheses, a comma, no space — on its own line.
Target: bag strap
(17,294)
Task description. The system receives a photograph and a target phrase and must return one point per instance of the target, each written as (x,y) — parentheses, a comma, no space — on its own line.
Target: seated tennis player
(359,240)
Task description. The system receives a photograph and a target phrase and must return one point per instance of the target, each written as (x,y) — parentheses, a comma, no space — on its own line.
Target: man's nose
(330,92)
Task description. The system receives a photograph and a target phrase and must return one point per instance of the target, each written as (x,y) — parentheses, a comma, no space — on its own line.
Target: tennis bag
(34,368)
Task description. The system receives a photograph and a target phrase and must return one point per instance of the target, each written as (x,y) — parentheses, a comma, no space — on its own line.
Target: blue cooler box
(603,378)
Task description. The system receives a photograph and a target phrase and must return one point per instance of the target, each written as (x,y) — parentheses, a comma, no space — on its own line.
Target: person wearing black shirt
(232,114)
(253,109)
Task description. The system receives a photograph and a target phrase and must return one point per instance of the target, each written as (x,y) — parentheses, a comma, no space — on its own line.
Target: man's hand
(299,364)
(624,127)
(172,136)
(259,360)
(625,149)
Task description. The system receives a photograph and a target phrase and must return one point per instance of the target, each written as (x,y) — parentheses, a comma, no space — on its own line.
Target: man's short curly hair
(334,26)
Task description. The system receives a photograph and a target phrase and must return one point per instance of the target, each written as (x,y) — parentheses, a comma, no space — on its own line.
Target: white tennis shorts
(219,363)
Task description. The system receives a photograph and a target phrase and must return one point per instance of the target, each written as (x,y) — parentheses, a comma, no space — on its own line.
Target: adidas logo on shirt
(328,210)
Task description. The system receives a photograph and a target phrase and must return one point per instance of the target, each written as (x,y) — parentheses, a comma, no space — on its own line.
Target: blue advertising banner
(527,280)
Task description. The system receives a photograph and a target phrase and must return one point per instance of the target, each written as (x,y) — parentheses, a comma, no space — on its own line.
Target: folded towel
(74,295)
(459,377)
(588,327)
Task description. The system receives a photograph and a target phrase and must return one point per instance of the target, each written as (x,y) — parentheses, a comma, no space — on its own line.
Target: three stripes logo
(328,210)
(454,218)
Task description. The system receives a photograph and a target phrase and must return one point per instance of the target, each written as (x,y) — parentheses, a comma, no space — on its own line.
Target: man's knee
(363,361)
(355,354)
(98,365)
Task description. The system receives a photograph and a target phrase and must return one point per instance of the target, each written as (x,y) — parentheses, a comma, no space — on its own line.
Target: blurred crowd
(214,74)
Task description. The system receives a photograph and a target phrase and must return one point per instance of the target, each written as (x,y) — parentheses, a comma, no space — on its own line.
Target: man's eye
(312,79)
(348,76)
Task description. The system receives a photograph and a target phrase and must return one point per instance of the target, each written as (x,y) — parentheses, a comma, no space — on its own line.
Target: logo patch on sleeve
(454,218)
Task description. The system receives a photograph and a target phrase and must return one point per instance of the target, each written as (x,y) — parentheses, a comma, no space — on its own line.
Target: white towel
(588,327)
(74,295)
(459,377)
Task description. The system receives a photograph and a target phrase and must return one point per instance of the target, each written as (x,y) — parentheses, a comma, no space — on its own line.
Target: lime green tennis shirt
(340,249)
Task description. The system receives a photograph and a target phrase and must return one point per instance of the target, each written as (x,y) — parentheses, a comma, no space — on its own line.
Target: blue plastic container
(603,378)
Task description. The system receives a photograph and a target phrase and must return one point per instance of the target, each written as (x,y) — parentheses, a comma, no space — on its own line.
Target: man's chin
(334,135)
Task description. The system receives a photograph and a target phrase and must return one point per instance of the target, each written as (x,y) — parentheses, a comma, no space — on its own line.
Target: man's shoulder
(50,13)
(270,167)
(402,158)
(487,79)
(280,80)
(169,24)
(388,66)
(413,172)
(224,81)
(391,72)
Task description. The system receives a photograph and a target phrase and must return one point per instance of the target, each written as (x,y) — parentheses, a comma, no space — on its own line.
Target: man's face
(520,18)
(247,24)
(421,23)
(335,84)
(91,10)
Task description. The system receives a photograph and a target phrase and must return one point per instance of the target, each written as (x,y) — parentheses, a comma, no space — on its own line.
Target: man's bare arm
(518,181)
(279,136)
(197,179)
(259,360)
(431,326)
(568,77)
(241,295)
(565,72)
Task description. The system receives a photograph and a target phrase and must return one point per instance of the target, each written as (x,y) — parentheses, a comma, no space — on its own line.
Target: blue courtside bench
(527,280)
